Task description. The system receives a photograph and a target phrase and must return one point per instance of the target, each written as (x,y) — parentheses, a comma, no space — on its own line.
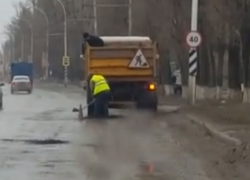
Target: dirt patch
(231,118)
(220,160)
(237,114)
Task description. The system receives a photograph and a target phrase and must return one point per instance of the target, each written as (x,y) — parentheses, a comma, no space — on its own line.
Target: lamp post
(65,42)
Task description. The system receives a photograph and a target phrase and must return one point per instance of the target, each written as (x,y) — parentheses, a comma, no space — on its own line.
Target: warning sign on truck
(139,61)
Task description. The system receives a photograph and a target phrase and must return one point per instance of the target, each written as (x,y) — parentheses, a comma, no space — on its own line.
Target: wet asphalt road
(27,122)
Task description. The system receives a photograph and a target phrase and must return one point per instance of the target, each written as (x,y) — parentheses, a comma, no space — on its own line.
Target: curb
(214,131)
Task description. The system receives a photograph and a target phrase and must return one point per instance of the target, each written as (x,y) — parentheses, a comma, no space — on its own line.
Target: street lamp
(12,38)
(47,35)
(65,42)
(31,37)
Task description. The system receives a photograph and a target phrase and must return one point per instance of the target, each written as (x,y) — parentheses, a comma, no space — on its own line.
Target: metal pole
(13,46)
(65,53)
(193,52)
(47,54)
(22,47)
(130,17)
(65,42)
(95,17)
(31,43)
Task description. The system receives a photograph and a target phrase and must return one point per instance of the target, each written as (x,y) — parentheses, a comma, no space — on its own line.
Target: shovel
(82,108)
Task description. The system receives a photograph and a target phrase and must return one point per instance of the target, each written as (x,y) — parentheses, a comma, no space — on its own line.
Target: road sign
(139,61)
(66,61)
(192,62)
(193,39)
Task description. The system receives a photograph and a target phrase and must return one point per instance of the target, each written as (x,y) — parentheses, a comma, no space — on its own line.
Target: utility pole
(13,46)
(95,17)
(130,17)
(65,58)
(22,47)
(193,55)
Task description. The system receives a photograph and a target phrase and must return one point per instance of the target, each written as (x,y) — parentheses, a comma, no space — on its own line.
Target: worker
(101,92)
(177,83)
(92,40)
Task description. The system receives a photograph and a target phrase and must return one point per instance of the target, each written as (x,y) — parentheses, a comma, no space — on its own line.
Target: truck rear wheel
(147,100)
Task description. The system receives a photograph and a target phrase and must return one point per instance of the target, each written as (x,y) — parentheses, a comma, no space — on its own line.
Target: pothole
(37,141)
(110,117)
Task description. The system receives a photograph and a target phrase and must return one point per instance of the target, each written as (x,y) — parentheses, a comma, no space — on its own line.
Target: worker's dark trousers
(101,105)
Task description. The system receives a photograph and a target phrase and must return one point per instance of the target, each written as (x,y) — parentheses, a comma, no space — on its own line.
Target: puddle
(60,161)
(37,141)
(110,117)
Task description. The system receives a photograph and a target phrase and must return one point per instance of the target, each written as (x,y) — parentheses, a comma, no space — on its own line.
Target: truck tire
(147,100)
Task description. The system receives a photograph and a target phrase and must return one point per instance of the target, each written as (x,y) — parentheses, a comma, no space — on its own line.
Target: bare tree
(224,54)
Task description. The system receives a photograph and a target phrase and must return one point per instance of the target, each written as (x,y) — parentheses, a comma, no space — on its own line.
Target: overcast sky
(7,11)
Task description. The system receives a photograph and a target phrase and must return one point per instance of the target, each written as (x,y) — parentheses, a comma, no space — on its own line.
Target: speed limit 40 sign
(193,39)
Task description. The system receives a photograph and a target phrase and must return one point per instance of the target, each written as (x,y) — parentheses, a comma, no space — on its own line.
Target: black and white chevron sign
(192,61)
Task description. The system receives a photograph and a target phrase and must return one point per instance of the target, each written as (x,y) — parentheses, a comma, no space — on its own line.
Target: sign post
(193,39)
(66,64)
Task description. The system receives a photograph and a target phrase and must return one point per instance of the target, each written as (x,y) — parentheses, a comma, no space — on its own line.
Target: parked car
(1,95)
(21,83)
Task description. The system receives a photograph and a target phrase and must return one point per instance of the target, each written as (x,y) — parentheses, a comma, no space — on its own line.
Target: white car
(21,83)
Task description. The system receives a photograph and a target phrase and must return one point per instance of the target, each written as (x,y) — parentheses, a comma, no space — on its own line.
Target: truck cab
(130,65)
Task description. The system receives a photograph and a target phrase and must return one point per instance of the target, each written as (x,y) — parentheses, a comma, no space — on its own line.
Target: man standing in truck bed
(101,91)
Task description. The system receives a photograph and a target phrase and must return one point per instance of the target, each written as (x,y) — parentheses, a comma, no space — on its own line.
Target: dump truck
(130,65)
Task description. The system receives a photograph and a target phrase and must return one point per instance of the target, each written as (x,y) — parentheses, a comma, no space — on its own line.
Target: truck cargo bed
(115,61)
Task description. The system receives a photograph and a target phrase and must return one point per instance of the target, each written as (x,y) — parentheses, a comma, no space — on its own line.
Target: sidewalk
(230,122)
(59,87)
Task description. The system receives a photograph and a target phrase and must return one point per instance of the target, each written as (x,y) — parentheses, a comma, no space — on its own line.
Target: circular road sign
(193,39)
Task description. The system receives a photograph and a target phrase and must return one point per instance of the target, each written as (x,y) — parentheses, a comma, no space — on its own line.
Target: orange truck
(130,65)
